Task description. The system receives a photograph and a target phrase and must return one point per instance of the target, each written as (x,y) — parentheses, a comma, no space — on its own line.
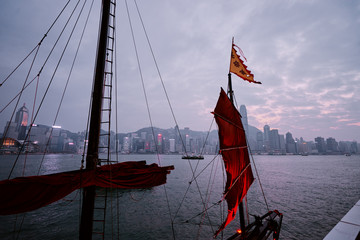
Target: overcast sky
(305,53)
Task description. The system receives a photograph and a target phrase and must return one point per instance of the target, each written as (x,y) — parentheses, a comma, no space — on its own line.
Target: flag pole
(230,91)
(230,94)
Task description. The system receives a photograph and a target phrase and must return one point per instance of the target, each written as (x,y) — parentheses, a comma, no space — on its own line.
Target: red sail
(29,193)
(235,154)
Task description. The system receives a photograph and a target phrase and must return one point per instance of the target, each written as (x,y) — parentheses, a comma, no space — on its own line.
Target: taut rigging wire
(45,35)
(37,77)
(47,89)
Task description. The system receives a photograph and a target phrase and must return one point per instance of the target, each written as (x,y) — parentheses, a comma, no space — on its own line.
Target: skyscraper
(274,139)
(17,129)
(266,137)
(320,145)
(244,119)
(290,143)
(266,132)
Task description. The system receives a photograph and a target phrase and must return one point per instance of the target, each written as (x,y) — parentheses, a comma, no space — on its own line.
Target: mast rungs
(101,135)
(108,73)
(107,85)
(99,208)
(111,38)
(106,109)
(112,27)
(110,49)
(98,220)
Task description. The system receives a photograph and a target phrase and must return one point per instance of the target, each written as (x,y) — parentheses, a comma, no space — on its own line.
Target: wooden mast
(241,205)
(231,97)
(86,224)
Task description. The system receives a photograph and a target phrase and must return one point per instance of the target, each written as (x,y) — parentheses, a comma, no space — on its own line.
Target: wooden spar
(86,224)
(241,205)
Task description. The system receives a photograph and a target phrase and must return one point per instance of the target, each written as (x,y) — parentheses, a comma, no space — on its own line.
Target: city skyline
(22,119)
(304,53)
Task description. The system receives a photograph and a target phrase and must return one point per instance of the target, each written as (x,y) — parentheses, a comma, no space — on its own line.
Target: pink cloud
(344,120)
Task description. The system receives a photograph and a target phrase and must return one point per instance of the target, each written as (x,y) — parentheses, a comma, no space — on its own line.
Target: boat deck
(348,228)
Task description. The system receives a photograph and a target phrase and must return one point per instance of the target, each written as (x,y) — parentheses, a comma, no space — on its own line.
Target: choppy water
(313,193)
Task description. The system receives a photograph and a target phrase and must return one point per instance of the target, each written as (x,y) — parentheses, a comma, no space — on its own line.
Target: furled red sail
(29,193)
(235,154)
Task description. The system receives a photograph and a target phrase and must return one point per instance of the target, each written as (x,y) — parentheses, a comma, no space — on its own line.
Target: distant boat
(192,157)
(348,154)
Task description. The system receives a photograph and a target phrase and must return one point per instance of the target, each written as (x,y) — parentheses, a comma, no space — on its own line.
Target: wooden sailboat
(24,194)
(29,193)
(235,153)
(193,157)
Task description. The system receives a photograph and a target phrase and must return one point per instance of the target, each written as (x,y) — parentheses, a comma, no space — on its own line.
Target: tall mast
(86,224)
(241,205)
(231,97)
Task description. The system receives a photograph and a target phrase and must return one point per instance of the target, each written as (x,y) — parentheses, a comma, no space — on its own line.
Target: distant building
(172,145)
(274,139)
(244,120)
(126,145)
(282,146)
(320,145)
(17,129)
(39,135)
(21,120)
(332,146)
(266,137)
(304,147)
(260,141)
(290,144)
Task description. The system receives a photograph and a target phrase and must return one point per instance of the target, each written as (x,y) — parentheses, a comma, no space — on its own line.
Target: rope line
(160,76)
(42,39)
(258,176)
(67,81)
(47,89)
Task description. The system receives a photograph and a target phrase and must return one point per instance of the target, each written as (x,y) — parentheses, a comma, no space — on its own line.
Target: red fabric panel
(131,175)
(28,193)
(235,154)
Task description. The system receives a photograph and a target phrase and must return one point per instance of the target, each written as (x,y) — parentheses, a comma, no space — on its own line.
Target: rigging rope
(45,35)
(25,85)
(144,91)
(161,79)
(172,112)
(47,89)
(68,78)
(252,159)
(257,174)
(116,131)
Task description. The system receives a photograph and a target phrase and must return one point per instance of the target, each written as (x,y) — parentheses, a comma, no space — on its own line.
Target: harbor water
(312,192)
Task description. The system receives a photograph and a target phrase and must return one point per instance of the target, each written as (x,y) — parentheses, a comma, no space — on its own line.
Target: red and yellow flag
(238,67)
